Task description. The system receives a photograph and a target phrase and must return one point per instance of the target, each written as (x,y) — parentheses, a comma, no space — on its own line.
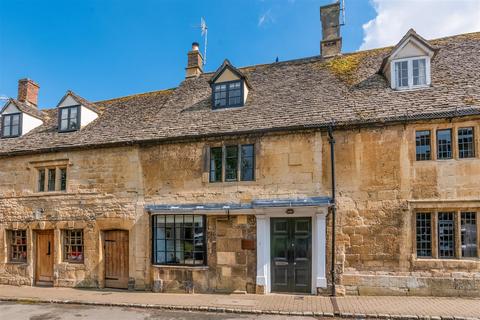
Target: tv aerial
(204,30)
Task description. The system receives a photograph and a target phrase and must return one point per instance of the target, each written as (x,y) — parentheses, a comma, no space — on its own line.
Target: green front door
(291,250)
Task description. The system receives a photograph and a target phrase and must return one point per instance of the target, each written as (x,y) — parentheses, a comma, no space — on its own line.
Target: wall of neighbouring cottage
(104,192)
(380,187)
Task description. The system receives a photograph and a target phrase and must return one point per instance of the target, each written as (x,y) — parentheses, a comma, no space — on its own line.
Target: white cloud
(265,18)
(3,97)
(430,18)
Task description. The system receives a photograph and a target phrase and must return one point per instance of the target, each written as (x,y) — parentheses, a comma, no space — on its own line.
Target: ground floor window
(73,245)
(455,232)
(18,246)
(179,239)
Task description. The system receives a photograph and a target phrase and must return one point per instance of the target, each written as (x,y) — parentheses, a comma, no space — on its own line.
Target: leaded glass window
(51,179)
(444,144)
(18,246)
(231,163)
(423,148)
(236,163)
(216,164)
(69,118)
(73,246)
(179,239)
(424,234)
(469,234)
(11,125)
(247,162)
(446,235)
(466,143)
(228,94)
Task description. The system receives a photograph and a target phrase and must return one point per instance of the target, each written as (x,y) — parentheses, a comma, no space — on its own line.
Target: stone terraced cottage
(224,184)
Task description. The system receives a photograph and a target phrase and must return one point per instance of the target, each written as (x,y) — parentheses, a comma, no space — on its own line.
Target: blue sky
(110,48)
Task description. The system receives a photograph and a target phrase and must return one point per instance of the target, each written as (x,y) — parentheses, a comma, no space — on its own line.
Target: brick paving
(351,306)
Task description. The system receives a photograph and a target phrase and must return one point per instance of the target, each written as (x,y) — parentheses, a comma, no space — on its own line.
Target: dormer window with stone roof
(408,64)
(74,112)
(20,116)
(229,87)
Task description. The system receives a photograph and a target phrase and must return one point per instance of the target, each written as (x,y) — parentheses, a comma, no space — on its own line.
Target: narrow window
(216,164)
(63,179)
(247,161)
(11,125)
(18,246)
(444,144)
(446,235)
(465,143)
(41,180)
(401,73)
(231,163)
(419,72)
(179,239)
(469,234)
(73,245)
(423,148)
(69,118)
(228,94)
(424,234)
(51,179)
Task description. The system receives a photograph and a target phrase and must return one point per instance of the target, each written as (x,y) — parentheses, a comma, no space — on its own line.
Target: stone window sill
(17,263)
(194,268)
(445,260)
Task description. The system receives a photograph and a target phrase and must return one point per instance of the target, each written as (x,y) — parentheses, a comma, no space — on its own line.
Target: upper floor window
(411,73)
(228,94)
(52,179)
(423,148)
(69,118)
(466,143)
(11,125)
(232,163)
(444,144)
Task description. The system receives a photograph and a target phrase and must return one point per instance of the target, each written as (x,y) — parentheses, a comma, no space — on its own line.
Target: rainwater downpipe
(333,208)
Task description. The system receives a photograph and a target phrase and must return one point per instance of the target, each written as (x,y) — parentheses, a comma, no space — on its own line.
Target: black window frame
(20,129)
(446,238)
(47,182)
(471,218)
(227,97)
(69,108)
(440,153)
(15,248)
(73,238)
(239,160)
(466,153)
(155,238)
(422,142)
(424,234)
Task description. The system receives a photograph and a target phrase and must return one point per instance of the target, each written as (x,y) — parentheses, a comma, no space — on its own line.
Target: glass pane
(15,130)
(423,148)
(6,131)
(446,235)
(64,114)
(51,179)
(231,163)
(469,234)
(466,143)
(8,120)
(63,179)
(160,258)
(419,72)
(444,144)
(41,180)
(16,120)
(247,163)
(424,235)
(216,164)
(401,73)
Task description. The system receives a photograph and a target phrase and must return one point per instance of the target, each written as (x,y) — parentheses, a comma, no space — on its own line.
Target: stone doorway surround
(319,244)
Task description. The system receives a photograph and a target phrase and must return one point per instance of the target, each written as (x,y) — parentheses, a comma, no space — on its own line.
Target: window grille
(446,235)
(18,246)
(73,245)
(444,144)
(423,148)
(465,143)
(469,234)
(424,234)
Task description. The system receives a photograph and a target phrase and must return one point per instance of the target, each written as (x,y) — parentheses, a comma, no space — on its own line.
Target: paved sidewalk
(358,307)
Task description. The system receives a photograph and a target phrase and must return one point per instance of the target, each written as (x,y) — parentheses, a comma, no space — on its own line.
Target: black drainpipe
(333,208)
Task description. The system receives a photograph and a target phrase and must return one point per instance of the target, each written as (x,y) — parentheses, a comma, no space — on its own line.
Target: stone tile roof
(310,92)
(25,108)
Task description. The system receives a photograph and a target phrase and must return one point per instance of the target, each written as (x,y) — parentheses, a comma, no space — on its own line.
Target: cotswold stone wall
(380,187)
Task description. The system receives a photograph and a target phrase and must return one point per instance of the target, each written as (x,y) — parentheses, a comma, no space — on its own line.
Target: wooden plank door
(44,258)
(291,261)
(116,259)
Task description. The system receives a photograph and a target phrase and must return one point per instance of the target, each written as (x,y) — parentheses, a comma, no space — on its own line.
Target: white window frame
(410,86)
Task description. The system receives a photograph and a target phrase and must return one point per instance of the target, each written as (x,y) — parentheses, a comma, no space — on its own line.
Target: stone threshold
(237,310)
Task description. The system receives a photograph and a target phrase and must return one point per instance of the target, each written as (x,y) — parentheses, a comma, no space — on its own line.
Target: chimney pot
(195,62)
(331,44)
(28,92)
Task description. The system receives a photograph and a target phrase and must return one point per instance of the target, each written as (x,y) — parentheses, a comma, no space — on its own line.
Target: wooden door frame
(103,255)
(38,232)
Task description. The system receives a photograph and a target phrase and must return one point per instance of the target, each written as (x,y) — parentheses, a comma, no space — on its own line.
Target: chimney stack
(28,92)
(195,62)
(331,44)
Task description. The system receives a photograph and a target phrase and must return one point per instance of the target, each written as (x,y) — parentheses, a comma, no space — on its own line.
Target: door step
(44,283)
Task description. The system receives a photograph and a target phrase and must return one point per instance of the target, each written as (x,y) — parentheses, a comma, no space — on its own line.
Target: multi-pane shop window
(232,163)
(424,234)
(469,234)
(423,145)
(466,143)
(455,232)
(446,235)
(444,144)
(51,179)
(73,245)
(179,239)
(18,246)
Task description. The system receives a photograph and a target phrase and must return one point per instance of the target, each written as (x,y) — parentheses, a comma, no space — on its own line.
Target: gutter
(333,207)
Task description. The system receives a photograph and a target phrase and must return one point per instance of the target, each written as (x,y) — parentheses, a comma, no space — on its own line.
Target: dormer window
(228,95)
(69,118)
(11,125)
(410,73)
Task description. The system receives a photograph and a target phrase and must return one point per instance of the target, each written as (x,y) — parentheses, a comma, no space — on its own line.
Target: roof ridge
(136,95)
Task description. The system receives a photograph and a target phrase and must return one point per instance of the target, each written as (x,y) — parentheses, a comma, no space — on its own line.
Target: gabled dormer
(74,112)
(407,66)
(229,87)
(20,116)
